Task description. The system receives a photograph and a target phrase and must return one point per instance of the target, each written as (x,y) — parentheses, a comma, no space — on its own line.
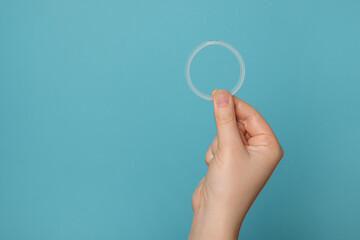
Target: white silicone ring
(205,44)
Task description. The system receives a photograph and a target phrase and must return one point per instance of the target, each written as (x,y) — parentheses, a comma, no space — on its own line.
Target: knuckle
(279,152)
(225,119)
(207,159)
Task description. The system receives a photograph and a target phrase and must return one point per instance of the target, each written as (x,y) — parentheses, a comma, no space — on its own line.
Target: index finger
(255,125)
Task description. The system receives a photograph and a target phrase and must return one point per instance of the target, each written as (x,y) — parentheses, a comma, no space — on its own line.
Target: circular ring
(205,44)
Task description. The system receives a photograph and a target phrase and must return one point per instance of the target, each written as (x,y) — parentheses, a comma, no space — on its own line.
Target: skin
(240,160)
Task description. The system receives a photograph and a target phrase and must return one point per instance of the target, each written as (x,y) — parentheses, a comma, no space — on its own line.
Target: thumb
(227,128)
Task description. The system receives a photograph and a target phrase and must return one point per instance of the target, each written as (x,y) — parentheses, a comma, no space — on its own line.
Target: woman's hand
(241,158)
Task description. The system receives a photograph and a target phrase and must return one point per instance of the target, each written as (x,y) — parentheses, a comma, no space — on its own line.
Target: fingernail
(221,98)
(213,92)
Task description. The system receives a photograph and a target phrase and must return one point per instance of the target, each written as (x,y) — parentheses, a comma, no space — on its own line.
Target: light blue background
(100,137)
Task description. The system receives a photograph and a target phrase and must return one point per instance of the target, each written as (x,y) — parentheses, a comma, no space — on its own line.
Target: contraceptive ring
(201,46)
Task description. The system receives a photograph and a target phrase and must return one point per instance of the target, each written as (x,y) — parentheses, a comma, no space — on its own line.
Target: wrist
(211,225)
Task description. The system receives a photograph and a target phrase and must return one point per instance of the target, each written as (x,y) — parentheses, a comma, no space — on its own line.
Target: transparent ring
(205,44)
